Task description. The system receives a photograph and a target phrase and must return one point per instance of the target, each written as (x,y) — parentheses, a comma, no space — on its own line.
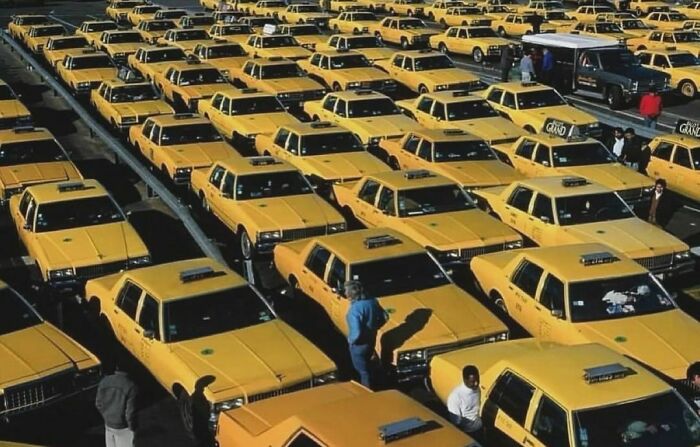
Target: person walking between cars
(660,206)
(464,401)
(617,142)
(536,22)
(116,402)
(632,149)
(690,387)
(547,67)
(526,68)
(650,107)
(507,58)
(365,316)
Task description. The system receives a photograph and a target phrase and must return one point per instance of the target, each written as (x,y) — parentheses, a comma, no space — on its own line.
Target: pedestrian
(537,62)
(116,402)
(650,107)
(536,22)
(526,68)
(617,142)
(507,58)
(365,316)
(464,401)
(644,159)
(660,205)
(632,149)
(690,387)
(547,66)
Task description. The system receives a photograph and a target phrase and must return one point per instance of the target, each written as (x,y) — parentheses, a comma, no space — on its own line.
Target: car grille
(656,262)
(471,85)
(94,271)
(290,389)
(468,253)
(302,233)
(28,396)
(435,350)
(630,195)
(482,22)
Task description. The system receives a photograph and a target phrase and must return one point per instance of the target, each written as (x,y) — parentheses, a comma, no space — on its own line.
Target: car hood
(291,212)
(448,76)
(420,32)
(94,74)
(143,108)
(639,73)
(361,74)
(288,52)
(264,357)
(351,165)
(613,175)
(666,341)
(376,54)
(228,63)
(394,125)
(490,129)
(33,173)
(207,90)
(565,113)
(11,108)
(293,85)
(263,123)
(479,173)
(125,47)
(199,155)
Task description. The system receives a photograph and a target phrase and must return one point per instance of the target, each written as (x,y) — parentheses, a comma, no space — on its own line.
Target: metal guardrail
(181,211)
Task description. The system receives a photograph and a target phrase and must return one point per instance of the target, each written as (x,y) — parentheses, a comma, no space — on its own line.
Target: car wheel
(499,302)
(614,97)
(688,89)
(337,87)
(394,163)
(404,43)
(529,129)
(204,202)
(641,48)
(478,55)
(186,408)
(247,249)
(422,89)
(443,48)
(336,30)
(502,32)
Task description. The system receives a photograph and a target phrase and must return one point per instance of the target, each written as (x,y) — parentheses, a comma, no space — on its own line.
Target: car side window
(681,157)
(663,151)
(334,41)
(542,155)
(509,100)
(293,144)
(317,260)
(155,133)
(527,277)
(248,69)
(542,209)
(147,128)
(128,299)
(660,61)
(227,184)
(281,138)
(452,32)
(512,395)
(520,198)
(495,95)
(315,59)
(216,175)
(552,295)
(398,61)
(24,204)
(225,106)
(148,318)
(439,111)
(550,425)
(302,440)
(386,201)
(216,100)
(411,144)
(337,274)
(525,149)
(425,150)
(368,193)
(425,104)
(645,58)
(341,108)
(655,36)
(329,103)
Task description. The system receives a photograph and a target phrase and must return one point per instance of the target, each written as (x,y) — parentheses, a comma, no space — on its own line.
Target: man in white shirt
(617,142)
(464,401)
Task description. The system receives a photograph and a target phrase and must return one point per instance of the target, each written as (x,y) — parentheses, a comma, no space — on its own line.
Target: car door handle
(531,218)
(538,308)
(115,311)
(137,330)
(528,441)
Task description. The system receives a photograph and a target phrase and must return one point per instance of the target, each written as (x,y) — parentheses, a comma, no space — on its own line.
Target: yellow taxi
(306,13)
(430,209)
(346,70)
(227,15)
(324,153)
(340,6)
(560,19)
(308,35)
(85,71)
(692,25)
(644,7)
(198,21)
(243,114)
(120,44)
(267,8)
(38,35)
(547,154)
(529,105)
(167,13)
(593,397)
(589,13)
(91,30)
(452,153)
(41,365)
(231,32)
(634,27)
(124,102)
(465,16)
(497,12)
(13,112)
(141,13)
(691,10)
(437,9)
(370,46)
(342,415)
(373,5)
(118,10)
(518,25)
(682,40)
(257,23)
(478,42)
(408,32)
(540,6)
(224,56)
(30,156)
(20,24)
(410,285)
(461,110)
(264,201)
(411,8)
(185,39)
(275,45)
(371,116)
(204,333)
(554,211)
(425,71)
(153,60)
(75,231)
(152,30)
(682,66)
(665,21)
(281,77)
(676,158)
(177,144)
(603,30)
(353,22)
(612,16)
(185,84)
(58,47)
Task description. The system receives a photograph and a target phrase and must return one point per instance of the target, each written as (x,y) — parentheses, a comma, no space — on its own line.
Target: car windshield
(176,14)
(433,200)
(77,213)
(201,77)
(35,151)
(363,16)
(228,50)
(133,93)
(130,5)
(372,107)
(604,28)
(256,105)
(309,8)
(273,184)
(467,150)
(15,313)
(102,26)
(469,110)
(188,134)
(70,42)
(88,62)
(199,21)
(462,11)
(482,32)
(213,313)
(687,36)
(232,30)
(33,20)
(148,9)
(129,37)
(304,30)
(349,61)
(683,60)
(261,21)
(403,274)
(192,34)
(436,62)
(498,8)
(411,24)
(363,42)
(677,17)
(48,31)
(171,54)
(661,420)
(611,60)
(160,25)
(6,93)
(581,155)
(588,208)
(633,24)
(557,15)
(540,98)
(606,299)
(279,41)
(278,71)
(695,153)
(330,143)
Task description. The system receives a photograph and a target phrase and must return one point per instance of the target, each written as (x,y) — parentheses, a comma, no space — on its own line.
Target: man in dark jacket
(632,149)
(690,387)
(507,58)
(536,22)
(116,402)
(661,206)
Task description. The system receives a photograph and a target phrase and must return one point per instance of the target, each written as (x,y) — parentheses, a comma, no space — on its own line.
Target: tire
(614,98)
(529,129)
(336,30)
(498,301)
(393,163)
(422,89)
(337,87)
(246,245)
(404,43)
(443,48)
(502,32)
(478,55)
(186,409)
(688,88)
(443,23)
(641,48)
(431,16)
(203,202)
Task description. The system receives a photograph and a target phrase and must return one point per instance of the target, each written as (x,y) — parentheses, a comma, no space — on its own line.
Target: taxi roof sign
(606,373)
(688,127)
(418,173)
(573,181)
(403,429)
(602,257)
(559,128)
(381,241)
(269,29)
(263,161)
(197,274)
(72,186)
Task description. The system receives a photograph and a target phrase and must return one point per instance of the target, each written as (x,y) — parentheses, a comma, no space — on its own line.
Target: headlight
(353,85)
(374,140)
(61,273)
(441,87)
(503,336)
(229,404)
(337,227)
(513,245)
(594,125)
(682,255)
(129,120)
(83,84)
(326,378)
(181,171)
(412,356)
(88,377)
(141,260)
(283,95)
(119,55)
(269,235)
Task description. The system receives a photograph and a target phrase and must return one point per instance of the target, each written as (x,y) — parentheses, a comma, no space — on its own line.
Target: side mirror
(558,313)
(27,227)
(149,334)
(545,219)
(545,163)
(227,195)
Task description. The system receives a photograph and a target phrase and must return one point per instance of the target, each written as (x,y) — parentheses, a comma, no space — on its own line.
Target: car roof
(51,192)
(122,31)
(445,135)
(219,43)
(25,134)
(71,37)
(179,119)
(350,95)
(553,186)
(93,22)
(315,128)
(522,87)
(665,51)
(272,61)
(164,282)
(246,93)
(451,96)
(88,52)
(333,52)
(121,83)
(150,48)
(550,139)
(411,179)
(684,140)
(188,66)
(255,165)
(420,53)
(350,245)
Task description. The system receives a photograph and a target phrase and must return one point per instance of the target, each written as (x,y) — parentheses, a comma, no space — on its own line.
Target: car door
(551,309)
(682,169)
(522,158)
(505,410)
(123,316)
(366,198)
(407,154)
(494,98)
(333,290)
(586,78)
(516,208)
(522,290)
(313,273)
(212,189)
(422,113)
(550,423)
(540,220)
(660,163)
(148,332)
(384,212)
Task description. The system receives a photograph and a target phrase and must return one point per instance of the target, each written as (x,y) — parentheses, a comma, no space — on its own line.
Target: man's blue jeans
(650,122)
(361,356)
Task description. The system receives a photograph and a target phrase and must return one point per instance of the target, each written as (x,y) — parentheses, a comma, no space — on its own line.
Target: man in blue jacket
(547,67)
(365,316)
